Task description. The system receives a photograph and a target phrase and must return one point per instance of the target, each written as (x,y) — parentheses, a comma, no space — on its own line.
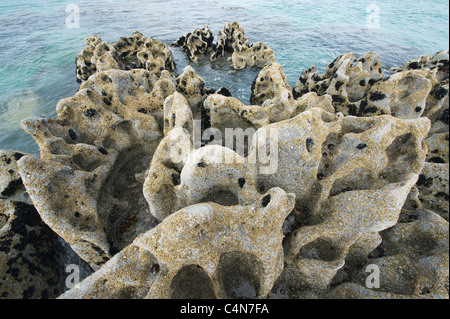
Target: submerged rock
(18,106)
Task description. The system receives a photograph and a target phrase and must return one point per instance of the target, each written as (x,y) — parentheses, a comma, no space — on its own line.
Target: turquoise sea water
(37,50)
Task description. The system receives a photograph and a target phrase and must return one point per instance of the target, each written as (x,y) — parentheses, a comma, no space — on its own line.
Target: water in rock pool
(38,49)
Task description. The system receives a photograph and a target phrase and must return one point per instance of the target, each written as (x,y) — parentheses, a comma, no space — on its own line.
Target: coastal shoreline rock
(33,258)
(138,179)
(127,53)
(232,43)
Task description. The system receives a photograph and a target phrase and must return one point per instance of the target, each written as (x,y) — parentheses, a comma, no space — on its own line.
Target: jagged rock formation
(103,136)
(220,252)
(196,43)
(417,89)
(438,61)
(192,86)
(128,53)
(231,43)
(412,258)
(344,175)
(335,166)
(358,86)
(271,101)
(231,38)
(346,79)
(169,189)
(32,256)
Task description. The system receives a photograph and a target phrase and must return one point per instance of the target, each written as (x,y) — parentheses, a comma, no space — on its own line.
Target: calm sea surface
(37,49)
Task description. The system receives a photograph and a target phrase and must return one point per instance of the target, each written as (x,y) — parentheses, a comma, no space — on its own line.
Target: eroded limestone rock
(342,170)
(438,148)
(258,54)
(211,173)
(27,254)
(433,188)
(417,89)
(219,252)
(346,80)
(271,90)
(438,61)
(231,43)
(402,95)
(358,87)
(11,186)
(412,259)
(196,43)
(33,258)
(271,101)
(192,86)
(103,136)
(160,212)
(230,38)
(243,54)
(228,112)
(127,53)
